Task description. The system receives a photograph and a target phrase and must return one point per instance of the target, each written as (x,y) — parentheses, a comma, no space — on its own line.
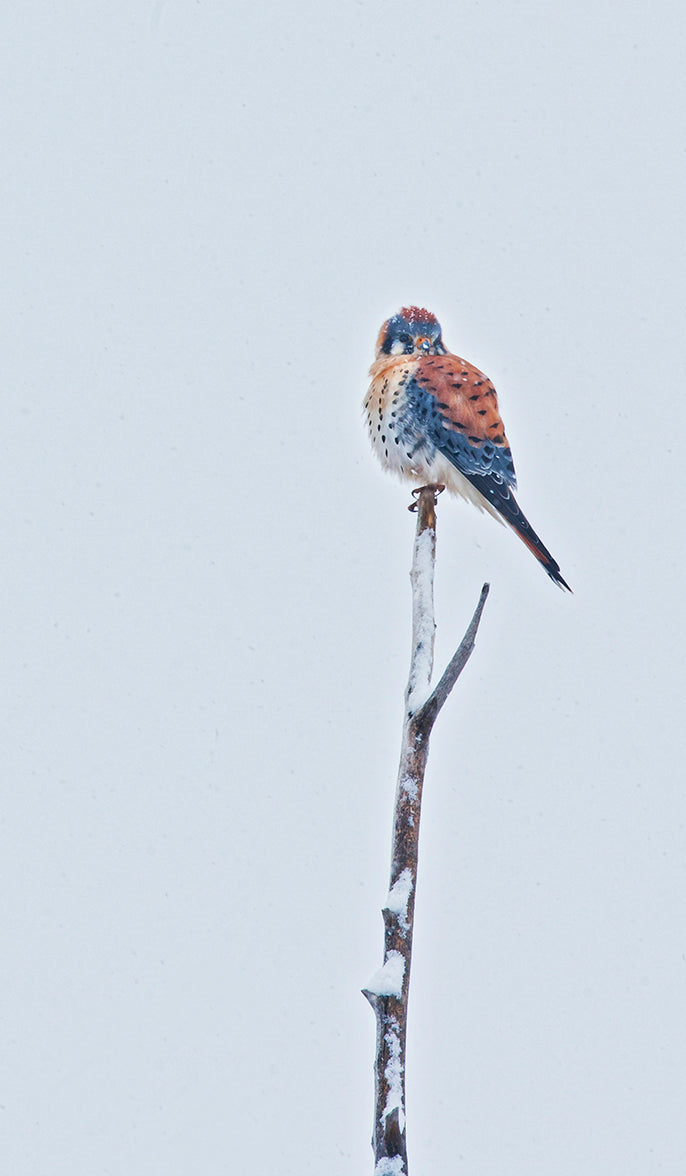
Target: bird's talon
(437,488)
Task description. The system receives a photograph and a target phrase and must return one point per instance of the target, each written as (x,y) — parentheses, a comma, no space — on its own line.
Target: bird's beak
(424,344)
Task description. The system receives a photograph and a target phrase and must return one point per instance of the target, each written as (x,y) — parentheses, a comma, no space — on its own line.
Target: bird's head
(412,331)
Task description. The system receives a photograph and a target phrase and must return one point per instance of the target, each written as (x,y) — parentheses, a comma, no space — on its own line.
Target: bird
(433,419)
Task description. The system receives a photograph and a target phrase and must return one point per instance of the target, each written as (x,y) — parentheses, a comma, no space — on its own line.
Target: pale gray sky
(208,211)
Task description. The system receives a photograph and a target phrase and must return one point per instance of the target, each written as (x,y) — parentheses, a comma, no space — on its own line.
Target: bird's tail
(498,494)
(528,536)
(522,527)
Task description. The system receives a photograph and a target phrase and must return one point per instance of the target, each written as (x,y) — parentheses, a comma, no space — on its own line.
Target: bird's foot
(436,487)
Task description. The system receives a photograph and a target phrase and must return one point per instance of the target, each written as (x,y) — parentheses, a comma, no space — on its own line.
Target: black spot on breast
(477,397)
(470,437)
(482,412)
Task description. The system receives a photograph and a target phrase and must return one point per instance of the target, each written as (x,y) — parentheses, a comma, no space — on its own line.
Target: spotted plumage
(433,417)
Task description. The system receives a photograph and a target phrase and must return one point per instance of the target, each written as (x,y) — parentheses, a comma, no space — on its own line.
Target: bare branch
(388,990)
(458,661)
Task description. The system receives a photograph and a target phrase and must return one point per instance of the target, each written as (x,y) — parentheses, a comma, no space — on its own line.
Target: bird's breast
(395,428)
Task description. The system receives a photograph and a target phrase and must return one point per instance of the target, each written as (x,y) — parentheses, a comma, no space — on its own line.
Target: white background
(208,211)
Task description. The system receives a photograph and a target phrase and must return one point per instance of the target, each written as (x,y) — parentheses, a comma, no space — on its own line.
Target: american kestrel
(433,418)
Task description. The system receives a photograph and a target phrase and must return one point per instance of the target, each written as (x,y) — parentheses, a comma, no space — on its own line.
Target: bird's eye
(401,343)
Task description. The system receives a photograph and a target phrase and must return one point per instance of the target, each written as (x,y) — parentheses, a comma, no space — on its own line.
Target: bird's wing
(459,409)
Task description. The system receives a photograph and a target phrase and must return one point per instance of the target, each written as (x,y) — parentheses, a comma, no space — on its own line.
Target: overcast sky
(208,211)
